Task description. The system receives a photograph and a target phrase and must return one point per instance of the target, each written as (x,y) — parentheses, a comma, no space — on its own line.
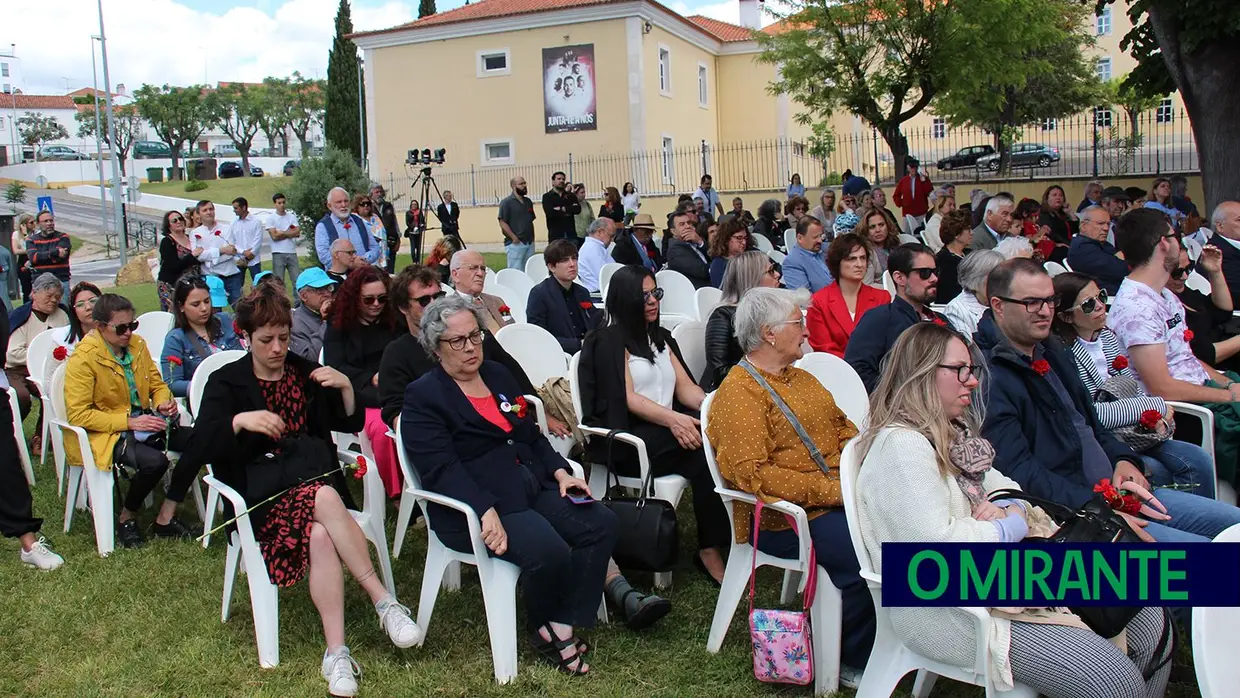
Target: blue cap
(259,276)
(314,277)
(219,297)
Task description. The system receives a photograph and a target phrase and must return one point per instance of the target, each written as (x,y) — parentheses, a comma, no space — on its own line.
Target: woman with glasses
(923,437)
(633,379)
(1216,333)
(728,239)
(198,333)
(81,303)
(749,270)
(360,325)
(22,232)
(366,210)
(834,311)
(176,258)
(1080,322)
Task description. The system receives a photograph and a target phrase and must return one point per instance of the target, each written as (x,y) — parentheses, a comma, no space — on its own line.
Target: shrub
(14,194)
(195,185)
(831,179)
(307,195)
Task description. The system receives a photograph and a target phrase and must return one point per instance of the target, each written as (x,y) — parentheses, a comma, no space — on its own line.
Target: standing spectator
(198,332)
(996,221)
(686,253)
(557,304)
(835,310)
(912,195)
(516,220)
(637,247)
(469,276)
(738,210)
(769,224)
(415,223)
(25,228)
(583,219)
(48,250)
(709,195)
(825,212)
(246,233)
(192,219)
(1179,196)
(795,187)
(612,207)
(559,206)
(632,202)
(729,240)
(343,260)
(284,231)
(6,266)
(804,267)
(340,223)
(1059,217)
(43,312)
(315,290)
(1093,196)
(386,212)
(176,258)
(1092,255)
(965,311)
(448,212)
(943,205)
(750,270)
(1160,200)
(594,254)
(955,236)
(882,240)
(364,208)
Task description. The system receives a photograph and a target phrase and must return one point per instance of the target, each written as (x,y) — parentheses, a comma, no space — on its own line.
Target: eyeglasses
(799,321)
(427,300)
(347,253)
(364,204)
(1032,305)
(374,300)
(86,303)
(473,267)
(125,328)
(1181,272)
(963,371)
(656,294)
(924,273)
(772,270)
(458,343)
(178,219)
(1089,305)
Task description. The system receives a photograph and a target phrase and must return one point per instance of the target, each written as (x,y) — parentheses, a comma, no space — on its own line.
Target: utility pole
(103,199)
(118,215)
(361,120)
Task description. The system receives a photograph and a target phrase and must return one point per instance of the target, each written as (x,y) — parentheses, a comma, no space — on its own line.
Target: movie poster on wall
(568,88)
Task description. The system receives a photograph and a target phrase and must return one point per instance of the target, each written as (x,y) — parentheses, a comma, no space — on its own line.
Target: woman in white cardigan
(925,476)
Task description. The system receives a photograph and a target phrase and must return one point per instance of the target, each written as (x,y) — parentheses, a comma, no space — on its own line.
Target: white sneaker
(341,673)
(399,626)
(850,677)
(41,556)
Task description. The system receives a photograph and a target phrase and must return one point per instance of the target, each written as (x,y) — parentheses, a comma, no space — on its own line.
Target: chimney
(120,89)
(751,14)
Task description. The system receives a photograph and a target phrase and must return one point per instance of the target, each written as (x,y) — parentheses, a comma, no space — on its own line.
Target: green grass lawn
(257,190)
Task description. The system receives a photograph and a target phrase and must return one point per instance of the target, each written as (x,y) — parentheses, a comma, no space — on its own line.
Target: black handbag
(295,460)
(649,537)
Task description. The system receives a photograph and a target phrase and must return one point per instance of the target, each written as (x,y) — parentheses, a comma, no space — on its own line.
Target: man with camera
(560,206)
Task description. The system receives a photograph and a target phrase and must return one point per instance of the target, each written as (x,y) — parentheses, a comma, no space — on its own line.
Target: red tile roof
(21,101)
(724,31)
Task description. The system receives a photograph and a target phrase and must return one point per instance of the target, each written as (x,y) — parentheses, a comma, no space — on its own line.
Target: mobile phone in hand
(577,496)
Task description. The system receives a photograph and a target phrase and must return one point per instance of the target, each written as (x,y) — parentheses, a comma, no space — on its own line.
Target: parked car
(232,169)
(1022,155)
(151,149)
(965,157)
(60,152)
(290,167)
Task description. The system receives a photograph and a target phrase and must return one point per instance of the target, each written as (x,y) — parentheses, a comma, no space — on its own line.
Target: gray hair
(47,281)
(997,201)
(1094,208)
(597,225)
(1220,213)
(333,190)
(1093,183)
(1014,246)
(743,273)
(760,308)
(339,243)
(976,196)
(435,321)
(458,259)
(975,267)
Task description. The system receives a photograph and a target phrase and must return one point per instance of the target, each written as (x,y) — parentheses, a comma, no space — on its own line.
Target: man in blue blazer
(560,306)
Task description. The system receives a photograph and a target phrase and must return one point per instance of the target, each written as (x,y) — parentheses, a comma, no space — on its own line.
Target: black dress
(949,279)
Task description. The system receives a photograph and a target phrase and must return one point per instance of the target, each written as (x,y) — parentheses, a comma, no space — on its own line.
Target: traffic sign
(45,204)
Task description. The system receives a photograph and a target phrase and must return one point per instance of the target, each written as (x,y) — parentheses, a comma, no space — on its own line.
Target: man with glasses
(469,275)
(916,278)
(1089,253)
(339,223)
(315,290)
(805,265)
(343,259)
(1041,421)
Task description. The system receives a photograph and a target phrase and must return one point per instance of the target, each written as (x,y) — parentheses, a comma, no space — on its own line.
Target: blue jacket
(1097,259)
(804,269)
(875,334)
(177,343)
(364,243)
(547,309)
(1034,440)
(21,314)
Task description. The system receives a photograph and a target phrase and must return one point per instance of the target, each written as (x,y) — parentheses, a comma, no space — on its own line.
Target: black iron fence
(1104,143)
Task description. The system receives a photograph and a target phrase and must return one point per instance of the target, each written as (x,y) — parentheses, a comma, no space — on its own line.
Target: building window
(1104,22)
(669,170)
(1049,124)
(1103,68)
(497,152)
(1164,115)
(4,70)
(7,88)
(938,128)
(798,149)
(703,94)
(1102,118)
(494,62)
(665,71)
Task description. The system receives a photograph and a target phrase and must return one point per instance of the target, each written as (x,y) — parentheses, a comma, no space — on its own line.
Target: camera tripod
(426,181)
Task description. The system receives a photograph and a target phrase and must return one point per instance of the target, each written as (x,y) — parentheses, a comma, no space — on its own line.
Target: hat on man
(215,286)
(1116,194)
(643,220)
(314,277)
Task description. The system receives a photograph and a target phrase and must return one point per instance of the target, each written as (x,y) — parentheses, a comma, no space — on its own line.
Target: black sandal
(549,651)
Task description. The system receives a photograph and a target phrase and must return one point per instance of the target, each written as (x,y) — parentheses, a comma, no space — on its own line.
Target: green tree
(178,116)
(342,122)
(236,109)
(128,128)
(37,129)
(307,195)
(306,102)
(426,8)
(1119,93)
(273,119)
(14,194)
(1034,68)
(1193,46)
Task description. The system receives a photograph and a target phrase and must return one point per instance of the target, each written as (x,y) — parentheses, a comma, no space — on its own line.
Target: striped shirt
(44,250)
(1118,413)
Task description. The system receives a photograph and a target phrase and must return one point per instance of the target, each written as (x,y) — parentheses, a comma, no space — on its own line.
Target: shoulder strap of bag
(613,480)
(783,407)
(811,584)
(1056,509)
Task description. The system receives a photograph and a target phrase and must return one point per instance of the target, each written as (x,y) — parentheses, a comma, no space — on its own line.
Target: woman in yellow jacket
(113,386)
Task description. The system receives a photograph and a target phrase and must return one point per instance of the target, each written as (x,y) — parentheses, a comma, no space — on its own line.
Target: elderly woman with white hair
(471,436)
(759,451)
(1015,246)
(965,310)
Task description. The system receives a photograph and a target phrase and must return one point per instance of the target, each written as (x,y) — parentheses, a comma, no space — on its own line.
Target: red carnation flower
(1042,367)
(505,310)
(1150,419)
(1120,363)
(218,233)
(521,407)
(60,353)
(174,360)
(940,321)
(360,471)
(236,328)
(587,305)
(1188,335)
(347,225)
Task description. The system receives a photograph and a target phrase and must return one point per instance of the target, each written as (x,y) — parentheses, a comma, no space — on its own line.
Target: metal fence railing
(1102,143)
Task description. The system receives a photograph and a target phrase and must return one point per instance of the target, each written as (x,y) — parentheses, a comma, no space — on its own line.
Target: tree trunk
(305,145)
(284,144)
(898,145)
(245,159)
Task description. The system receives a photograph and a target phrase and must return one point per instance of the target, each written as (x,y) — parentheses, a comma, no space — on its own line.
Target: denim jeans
(1181,463)
(1194,519)
(518,254)
(232,287)
(285,263)
(254,269)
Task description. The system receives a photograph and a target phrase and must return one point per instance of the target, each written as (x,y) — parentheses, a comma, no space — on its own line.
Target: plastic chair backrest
(512,298)
(574,381)
(536,267)
(889,284)
(39,359)
(1214,638)
(776,256)
(762,242)
(706,298)
(516,280)
(1054,269)
(1198,283)
(153,328)
(905,239)
(538,352)
(691,336)
(198,383)
(790,238)
(850,468)
(678,293)
(490,281)
(842,382)
(58,394)
(604,276)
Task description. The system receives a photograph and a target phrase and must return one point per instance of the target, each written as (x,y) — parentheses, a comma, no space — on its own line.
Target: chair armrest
(540,413)
(575,469)
(232,495)
(804,540)
(1206,417)
(982,620)
(88,456)
(472,520)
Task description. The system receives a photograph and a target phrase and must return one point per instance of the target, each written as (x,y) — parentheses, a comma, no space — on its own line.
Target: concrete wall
(61,173)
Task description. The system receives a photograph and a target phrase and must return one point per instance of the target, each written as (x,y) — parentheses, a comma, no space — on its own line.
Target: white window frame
(487,161)
(665,70)
(1102,22)
(703,85)
(1165,113)
(938,127)
(667,158)
(1098,68)
(4,70)
(480,62)
(1103,118)
(1050,124)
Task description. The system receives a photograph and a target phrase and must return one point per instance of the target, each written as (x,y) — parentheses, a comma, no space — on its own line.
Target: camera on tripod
(425,156)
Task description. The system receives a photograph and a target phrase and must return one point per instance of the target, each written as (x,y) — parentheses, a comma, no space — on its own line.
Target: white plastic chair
(1216,631)
(890,659)
(668,487)
(538,352)
(1054,268)
(762,243)
(1198,283)
(604,276)
(776,256)
(515,300)
(490,281)
(153,328)
(40,364)
(679,302)
(790,238)
(905,239)
(99,483)
(19,434)
(516,280)
(691,336)
(842,382)
(706,298)
(197,384)
(826,615)
(889,284)
(1222,488)
(536,267)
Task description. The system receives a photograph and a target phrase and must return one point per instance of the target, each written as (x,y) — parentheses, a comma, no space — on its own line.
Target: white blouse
(654,381)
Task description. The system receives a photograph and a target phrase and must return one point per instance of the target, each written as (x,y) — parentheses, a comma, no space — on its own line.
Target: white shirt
(211,240)
(964,312)
(247,235)
(590,261)
(710,197)
(654,381)
(631,202)
(280,224)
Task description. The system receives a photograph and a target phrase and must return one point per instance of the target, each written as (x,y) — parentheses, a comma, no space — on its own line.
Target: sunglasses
(374,300)
(1183,271)
(924,273)
(1089,305)
(427,300)
(125,328)
(178,219)
(656,294)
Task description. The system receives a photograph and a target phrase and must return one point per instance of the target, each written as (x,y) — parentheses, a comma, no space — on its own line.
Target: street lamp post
(103,199)
(118,215)
(361,119)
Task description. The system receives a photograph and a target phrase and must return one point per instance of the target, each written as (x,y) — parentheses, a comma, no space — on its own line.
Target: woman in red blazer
(835,310)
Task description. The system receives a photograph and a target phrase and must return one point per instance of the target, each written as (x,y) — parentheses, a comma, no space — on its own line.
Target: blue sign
(45,204)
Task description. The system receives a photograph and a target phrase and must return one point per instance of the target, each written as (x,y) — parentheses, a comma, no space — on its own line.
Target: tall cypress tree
(426,8)
(342,125)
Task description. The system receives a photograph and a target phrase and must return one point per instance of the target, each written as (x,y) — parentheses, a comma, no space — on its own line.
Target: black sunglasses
(1089,305)
(125,328)
(657,294)
(924,273)
(374,300)
(1181,272)
(427,300)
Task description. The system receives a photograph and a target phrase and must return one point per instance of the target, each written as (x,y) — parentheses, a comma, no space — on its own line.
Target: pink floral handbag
(783,650)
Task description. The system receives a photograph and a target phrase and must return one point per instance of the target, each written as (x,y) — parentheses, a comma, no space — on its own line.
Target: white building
(11,71)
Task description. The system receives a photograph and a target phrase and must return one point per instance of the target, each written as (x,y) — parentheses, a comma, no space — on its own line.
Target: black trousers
(16,507)
(182,476)
(151,466)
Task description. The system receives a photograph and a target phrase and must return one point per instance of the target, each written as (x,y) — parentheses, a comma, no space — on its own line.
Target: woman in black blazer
(470,435)
(269,404)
